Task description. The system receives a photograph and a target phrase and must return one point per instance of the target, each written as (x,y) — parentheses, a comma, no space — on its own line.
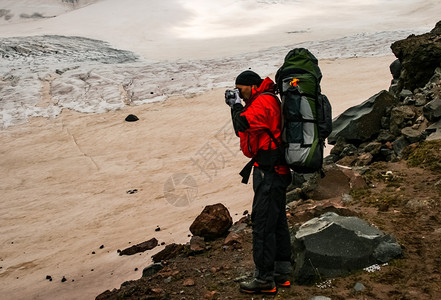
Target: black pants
(271,238)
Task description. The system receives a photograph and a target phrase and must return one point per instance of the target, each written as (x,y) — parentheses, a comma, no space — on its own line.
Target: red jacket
(260,114)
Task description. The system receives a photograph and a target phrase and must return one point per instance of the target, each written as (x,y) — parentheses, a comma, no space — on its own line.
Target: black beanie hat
(248,78)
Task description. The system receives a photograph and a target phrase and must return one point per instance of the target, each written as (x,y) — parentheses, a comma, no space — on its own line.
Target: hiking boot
(282,281)
(257,286)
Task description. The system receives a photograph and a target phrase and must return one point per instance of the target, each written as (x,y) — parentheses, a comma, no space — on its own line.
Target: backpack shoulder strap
(272,94)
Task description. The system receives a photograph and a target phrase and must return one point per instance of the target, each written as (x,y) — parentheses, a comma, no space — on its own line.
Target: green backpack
(306,112)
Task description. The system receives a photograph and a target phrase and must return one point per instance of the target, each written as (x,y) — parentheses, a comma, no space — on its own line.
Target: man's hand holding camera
(232,97)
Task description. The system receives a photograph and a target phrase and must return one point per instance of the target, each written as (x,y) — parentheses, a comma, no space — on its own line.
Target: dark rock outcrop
(333,245)
(362,122)
(213,222)
(419,56)
(380,128)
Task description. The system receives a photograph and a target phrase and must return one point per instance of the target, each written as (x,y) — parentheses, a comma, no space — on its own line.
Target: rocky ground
(397,190)
(402,199)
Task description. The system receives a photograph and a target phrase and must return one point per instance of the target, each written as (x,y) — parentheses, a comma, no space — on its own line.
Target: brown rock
(189,282)
(157,290)
(167,272)
(337,181)
(197,244)
(308,210)
(147,245)
(170,251)
(211,295)
(364,159)
(334,184)
(356,181)
(232,239)
(213,222)
(348,161)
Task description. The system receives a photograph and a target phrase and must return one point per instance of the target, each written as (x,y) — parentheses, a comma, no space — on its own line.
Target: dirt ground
(403,203)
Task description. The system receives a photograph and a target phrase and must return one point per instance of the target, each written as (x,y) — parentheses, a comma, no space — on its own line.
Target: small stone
(131,118)
(136,269)
(346,198)
(93,252)
(232,239)
(63,279)
(211,295)
(245,213)
(189,282)
(157,290)
(158,228)
(240,278)
(359,287)
(168,279)
(102,247)
(152,270)
(48,277)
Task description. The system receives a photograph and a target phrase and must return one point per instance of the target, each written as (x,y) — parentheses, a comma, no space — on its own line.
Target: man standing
(258,125)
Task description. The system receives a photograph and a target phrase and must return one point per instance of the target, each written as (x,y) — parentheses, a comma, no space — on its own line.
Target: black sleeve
(240,123)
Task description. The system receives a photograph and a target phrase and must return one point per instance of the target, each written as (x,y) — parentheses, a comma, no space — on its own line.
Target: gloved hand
(232,97)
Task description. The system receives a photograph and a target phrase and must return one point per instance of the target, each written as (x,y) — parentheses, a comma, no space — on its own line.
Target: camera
(232,94)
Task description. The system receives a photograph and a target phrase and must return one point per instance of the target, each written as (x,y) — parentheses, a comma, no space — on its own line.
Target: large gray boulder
(332,245)
(362,122)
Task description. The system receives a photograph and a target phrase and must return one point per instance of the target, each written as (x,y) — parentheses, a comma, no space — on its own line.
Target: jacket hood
(267,86)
